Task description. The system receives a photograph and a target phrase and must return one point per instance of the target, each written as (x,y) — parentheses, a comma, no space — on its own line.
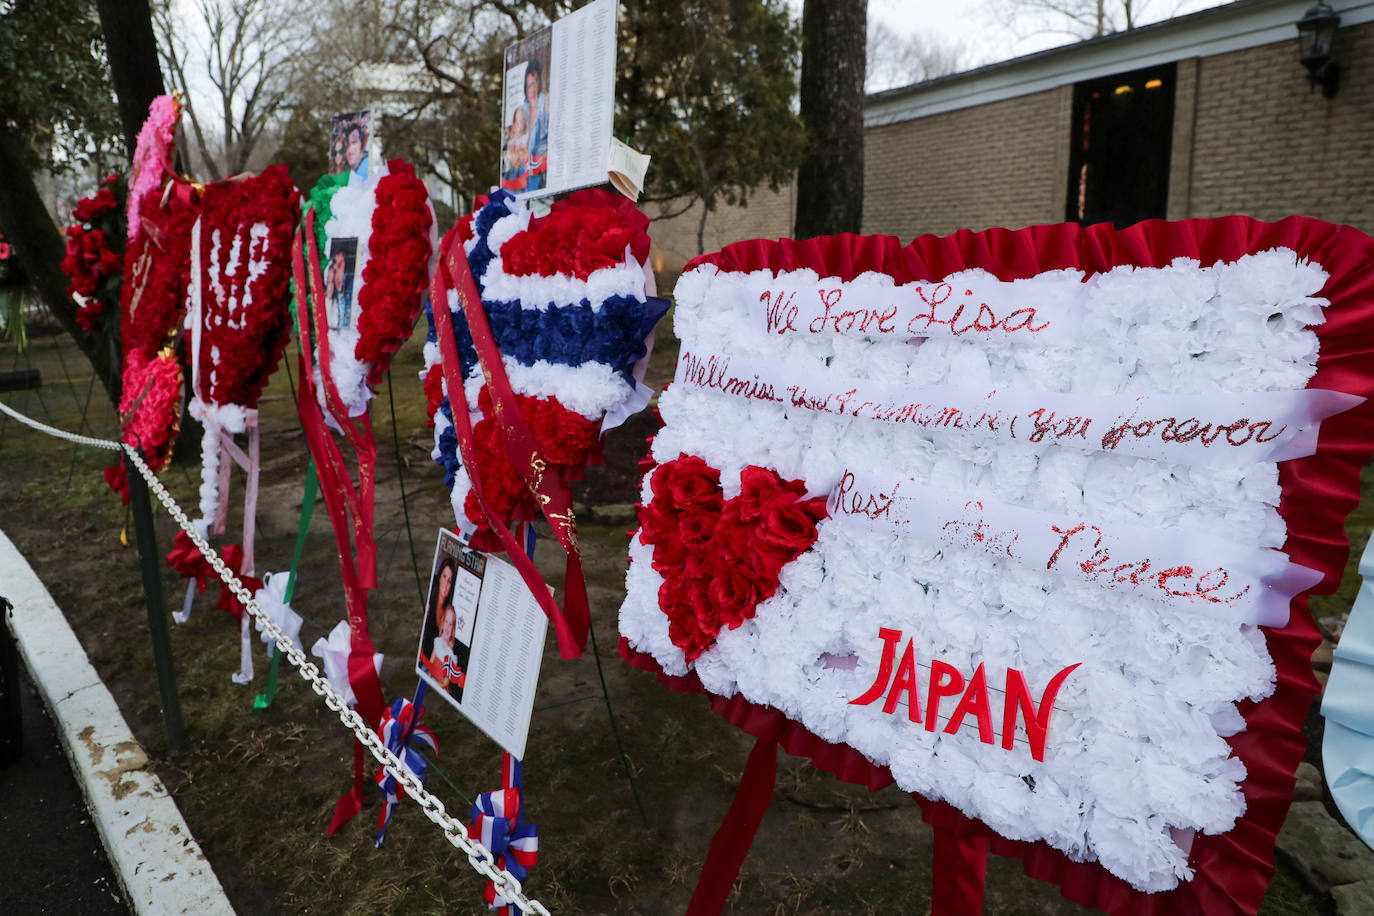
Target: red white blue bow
(496,825)
(400,728)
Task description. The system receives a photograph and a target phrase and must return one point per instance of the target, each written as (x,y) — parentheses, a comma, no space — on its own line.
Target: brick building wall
(1000,164)
(1249,137)
(1266,146)
(768,215)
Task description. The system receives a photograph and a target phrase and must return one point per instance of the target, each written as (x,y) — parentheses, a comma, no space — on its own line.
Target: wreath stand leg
(959,872)
(249,462)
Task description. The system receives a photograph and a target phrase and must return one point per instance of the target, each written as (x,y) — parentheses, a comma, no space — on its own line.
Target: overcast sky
(986,36)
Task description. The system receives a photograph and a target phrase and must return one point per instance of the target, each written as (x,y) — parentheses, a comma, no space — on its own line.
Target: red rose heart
(720,557)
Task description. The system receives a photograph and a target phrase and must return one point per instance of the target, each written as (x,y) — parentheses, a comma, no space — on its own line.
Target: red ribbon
(736,834)
(351,802)
(350,510)
(358,432)
(233,557)
(185,557)
(521,449)
(959,870)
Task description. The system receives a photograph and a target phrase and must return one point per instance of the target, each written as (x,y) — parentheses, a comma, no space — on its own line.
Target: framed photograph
(526,115)
(482,641)
(450,616)
(558,104)
(349,136)
(338,283)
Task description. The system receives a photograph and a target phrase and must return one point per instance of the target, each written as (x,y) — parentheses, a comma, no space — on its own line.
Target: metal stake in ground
(148,558)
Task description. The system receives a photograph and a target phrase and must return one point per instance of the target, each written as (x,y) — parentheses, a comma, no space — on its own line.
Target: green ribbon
(312,489)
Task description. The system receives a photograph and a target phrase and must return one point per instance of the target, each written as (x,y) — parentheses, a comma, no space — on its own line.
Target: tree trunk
(27,225)
(830,181)
(132,52)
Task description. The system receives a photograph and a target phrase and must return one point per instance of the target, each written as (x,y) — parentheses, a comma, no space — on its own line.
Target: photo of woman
(446,637)
(337,146)
(525,137)
(442,662)
(536,110)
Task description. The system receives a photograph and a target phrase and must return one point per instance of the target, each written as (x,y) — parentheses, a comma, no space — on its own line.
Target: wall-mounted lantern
(1316,36)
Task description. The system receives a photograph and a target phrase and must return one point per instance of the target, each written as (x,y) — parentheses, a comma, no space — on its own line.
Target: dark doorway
(1123,129)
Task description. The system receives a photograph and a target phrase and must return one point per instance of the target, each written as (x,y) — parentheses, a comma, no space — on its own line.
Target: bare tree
(896,60)
(235,63)
(1093,18)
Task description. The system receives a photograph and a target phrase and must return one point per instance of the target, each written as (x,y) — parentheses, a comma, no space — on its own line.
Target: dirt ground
(258,789)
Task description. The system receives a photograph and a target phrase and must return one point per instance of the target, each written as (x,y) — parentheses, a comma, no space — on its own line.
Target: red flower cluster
(574,240)
(152,299)
(566,440)
(398,269)
(89,260)
(90,209)
(250,335)
(720,558)
(434,391)
(150,404)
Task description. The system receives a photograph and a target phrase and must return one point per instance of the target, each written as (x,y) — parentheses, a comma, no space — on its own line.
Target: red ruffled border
(1233,870)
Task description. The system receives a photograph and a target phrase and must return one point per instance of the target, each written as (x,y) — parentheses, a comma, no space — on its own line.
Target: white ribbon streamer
(272,599)
(1218,429)
(1179,567)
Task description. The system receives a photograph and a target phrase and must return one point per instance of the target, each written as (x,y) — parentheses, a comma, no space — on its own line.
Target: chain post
(148,561)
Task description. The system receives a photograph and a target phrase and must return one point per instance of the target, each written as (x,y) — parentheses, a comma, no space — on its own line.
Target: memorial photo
(348,139)
(525,119)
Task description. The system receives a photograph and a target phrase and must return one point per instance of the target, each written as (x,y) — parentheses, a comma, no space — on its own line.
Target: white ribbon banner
(1218,429)
(1175,566)
(1045,308)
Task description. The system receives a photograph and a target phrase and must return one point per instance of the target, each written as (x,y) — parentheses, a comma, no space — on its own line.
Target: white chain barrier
(478,856)
(59,433)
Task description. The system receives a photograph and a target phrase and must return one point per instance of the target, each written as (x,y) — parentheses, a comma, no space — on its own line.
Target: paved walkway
(54,862)
(157,864)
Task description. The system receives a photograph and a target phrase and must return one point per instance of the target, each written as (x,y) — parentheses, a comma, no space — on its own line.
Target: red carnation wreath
(152,299)
(246,318)
(398,269)
(240,322)
(150,404)
(152,306)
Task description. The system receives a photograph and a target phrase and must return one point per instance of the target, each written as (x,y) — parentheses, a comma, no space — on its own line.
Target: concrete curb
(158,862)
